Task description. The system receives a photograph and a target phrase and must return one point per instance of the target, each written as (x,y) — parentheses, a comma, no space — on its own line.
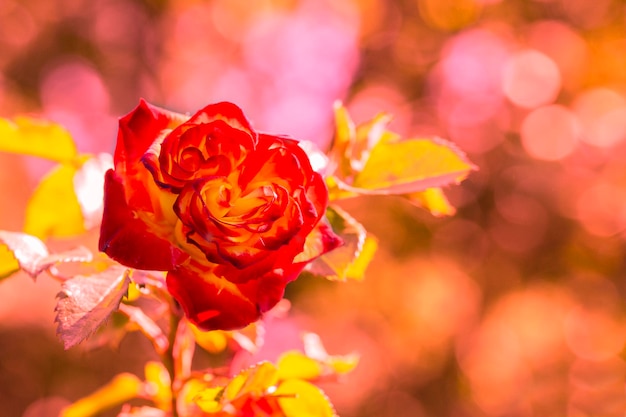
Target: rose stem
(168,357)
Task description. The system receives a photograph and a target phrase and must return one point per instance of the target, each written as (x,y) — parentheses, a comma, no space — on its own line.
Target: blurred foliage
(514,306)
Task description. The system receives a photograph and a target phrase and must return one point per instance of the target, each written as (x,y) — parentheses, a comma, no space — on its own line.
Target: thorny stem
(168,356)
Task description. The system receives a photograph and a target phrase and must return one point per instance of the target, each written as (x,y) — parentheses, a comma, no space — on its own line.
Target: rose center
(254,210)
(191,159)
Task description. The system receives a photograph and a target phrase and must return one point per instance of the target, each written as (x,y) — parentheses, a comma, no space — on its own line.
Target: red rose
(225,210)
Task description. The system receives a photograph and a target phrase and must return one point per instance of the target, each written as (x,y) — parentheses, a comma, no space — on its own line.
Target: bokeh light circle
(602,112)
(550,133)
(531,79)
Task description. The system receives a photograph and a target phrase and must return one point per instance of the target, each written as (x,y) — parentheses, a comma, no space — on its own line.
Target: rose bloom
(232,215)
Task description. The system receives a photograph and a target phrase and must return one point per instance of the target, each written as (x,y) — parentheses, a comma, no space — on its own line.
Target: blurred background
(512,307)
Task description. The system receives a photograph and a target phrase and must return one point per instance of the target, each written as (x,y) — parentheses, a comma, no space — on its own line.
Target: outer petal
(214,303)
(226,111)
(138,129)
(127,239)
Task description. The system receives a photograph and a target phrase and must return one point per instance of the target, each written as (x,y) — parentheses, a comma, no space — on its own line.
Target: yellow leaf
(369,159)
(199,393)
(406,166)
(345,132)
(33,256)
(252,380)
(351,144)
(133,293)
(214,341)
(350,260)
(53,209)
(433,200)
(40,138)
(344,126)
(302,399)
(209,399)
(158,385)
(332,364)
(343,364)
(336,190)
(356,269)
(8,263)
(367,136)
(295,365)
(122,388)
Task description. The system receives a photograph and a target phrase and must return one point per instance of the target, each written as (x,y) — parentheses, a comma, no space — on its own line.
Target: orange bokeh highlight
(550,133)
(449,14)
(602,112)
(18,28)
(597,388)
(601,209)
(519,338)
(564,46)
(588,14)
(594,335)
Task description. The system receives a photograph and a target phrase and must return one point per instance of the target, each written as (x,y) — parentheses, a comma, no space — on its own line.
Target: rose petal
(226,111)
(127,239)
(213,303)
(277,159)
(138,129)
(215,148)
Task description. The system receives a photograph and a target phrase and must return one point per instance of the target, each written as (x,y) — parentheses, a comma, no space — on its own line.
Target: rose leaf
(397,166)
(301,398)
(26,136)
(315,362)
(86,302)
(27,250)
(8,264)
(32,255)
(254,380)
(296,365)
(350,260)
(78,254)
(69,200)
(111,335)
(53,209)
(336,364)
(433,200)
